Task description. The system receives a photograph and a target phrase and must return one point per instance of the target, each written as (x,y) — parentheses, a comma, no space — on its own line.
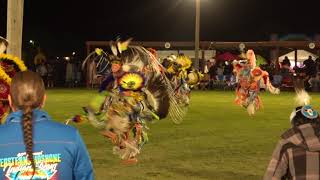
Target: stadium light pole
(197,34)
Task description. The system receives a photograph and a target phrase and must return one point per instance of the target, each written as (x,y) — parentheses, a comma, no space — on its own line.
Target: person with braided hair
(32,146)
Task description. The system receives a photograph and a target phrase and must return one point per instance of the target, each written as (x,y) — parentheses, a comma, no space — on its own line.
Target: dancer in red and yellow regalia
(249,78)
(9,65)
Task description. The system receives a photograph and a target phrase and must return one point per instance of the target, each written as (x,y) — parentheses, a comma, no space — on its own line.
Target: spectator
(50,75)
(277,79)
(42,71)
(39,147)
(78,75)
(60,75)
(310,67)
(296,156)
(286,73)
(286,62)
(220,76)
(227,72)
(212,71)
(69,75)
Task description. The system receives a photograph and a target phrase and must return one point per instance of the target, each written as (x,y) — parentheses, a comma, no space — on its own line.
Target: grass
(217,139)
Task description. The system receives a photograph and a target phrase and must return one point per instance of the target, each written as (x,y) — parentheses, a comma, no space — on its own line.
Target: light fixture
(167,45)
(242,46)
(312,45)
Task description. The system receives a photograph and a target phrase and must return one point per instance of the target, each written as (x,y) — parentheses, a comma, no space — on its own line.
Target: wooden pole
(202,60)
(197,34)
(14,26)
(295,57)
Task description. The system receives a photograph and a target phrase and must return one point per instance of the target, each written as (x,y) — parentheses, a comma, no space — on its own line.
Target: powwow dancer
(9,65)
(249,78)
(141,93)
(182,76)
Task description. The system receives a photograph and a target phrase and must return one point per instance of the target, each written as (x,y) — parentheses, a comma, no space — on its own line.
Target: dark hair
(27,92)
(300,119)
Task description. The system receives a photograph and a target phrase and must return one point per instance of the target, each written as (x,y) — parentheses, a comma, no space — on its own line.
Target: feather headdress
(9,65)
(302,101)
(137,59)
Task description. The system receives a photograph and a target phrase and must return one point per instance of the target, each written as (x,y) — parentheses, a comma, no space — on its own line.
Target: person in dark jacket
(297,155)
(310,67)
(32,146)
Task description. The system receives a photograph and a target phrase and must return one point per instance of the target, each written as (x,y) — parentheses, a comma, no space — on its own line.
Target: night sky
(63,26)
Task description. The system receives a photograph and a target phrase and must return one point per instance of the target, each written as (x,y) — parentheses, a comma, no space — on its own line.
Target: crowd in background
(220,75)
(217,74)
(308,74)
(60,73)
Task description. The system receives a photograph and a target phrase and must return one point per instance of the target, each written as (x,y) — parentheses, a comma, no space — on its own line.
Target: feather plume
(124,45)
(158,96)
(302,98)
(114,50)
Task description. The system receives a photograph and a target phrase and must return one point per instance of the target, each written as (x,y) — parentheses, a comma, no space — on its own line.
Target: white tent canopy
(208,54)
(164,54)
(302,55)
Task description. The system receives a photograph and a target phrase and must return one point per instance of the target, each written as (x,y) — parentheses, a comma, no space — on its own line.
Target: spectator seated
(287,82)
(277,80)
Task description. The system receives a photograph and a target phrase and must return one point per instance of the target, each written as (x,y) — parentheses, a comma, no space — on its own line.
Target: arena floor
(217,139)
